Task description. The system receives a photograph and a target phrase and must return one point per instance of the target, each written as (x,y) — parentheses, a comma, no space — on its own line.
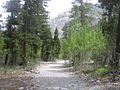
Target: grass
(5,72)
(99,72)
(67,65)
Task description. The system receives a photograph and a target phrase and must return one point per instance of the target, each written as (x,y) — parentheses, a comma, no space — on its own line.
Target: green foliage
(80,11)
(1,43)
(56,44)
(84,38)
(111,29)
(28,34)
(99,72)
(46,48)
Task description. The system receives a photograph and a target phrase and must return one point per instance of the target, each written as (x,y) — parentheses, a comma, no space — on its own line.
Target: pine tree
(56,42)
(113,10)
(0,22)
(13,7)
(35,28)
(1,43)
(46,44)
(27,30)
(79,15)
(79,11)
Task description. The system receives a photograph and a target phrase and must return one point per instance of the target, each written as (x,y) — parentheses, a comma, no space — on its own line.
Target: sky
(55,7)
(1,3)
(2,10)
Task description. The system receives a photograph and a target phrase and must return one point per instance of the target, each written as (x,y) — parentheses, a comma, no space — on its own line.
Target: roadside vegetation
(91,47)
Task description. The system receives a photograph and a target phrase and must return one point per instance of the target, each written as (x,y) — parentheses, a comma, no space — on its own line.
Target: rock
(92,80)
(21,88)
(116,84)
(95,88)
(19,79)
(2,89)
(98,81)
(111,88)
(32,85)
(38,85)
(60,89)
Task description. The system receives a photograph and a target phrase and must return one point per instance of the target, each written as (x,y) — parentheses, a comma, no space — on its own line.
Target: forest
(93,49)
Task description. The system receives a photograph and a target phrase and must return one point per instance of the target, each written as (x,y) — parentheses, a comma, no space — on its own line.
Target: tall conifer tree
(13,7)
(56,44)
(112,8)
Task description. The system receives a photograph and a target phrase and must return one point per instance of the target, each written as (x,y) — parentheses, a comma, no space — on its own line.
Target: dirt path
(54,76)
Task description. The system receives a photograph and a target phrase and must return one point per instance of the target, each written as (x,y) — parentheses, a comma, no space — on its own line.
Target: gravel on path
(54,76)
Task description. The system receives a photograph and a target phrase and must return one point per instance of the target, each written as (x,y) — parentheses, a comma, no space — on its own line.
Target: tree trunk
(13,57)
(115,66)
(24,53)
(82,13)
(118,43)
(6,59)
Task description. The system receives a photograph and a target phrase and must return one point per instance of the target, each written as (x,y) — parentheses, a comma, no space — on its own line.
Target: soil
(53,76)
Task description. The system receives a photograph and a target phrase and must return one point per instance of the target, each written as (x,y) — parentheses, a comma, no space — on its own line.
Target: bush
(99,72)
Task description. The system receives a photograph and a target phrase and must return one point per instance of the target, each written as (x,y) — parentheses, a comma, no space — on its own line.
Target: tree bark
(24,53)
(115,66)
(6,59)
(117,43)
(82,13)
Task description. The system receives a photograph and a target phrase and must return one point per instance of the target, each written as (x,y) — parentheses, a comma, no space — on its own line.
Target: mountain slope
(63,18)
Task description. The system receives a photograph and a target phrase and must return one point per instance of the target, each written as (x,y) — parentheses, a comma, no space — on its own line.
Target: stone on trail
(21,88)
(95,88)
